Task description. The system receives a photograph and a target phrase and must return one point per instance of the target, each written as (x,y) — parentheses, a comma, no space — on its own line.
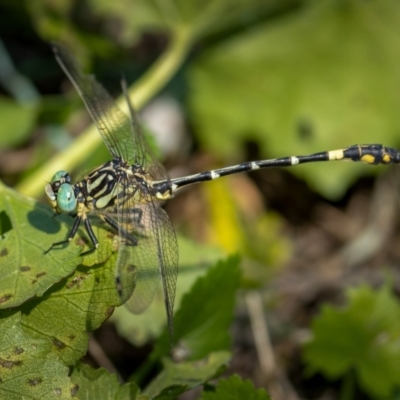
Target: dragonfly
(128,192)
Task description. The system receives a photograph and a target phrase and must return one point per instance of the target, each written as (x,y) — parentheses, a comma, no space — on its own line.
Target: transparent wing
(147,246)
(122,135)
(154,256)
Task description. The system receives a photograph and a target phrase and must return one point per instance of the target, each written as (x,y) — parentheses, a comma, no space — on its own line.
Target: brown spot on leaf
(97,279)
(34,281)
(75,281)
(18,350)
(9,364)
(131,268)
(58,343)
(35,381)
(40,274)
(71,337)
(24,268)
(3,252)
(74,390)
(70,285)
(5,298)
(109,311)
(80,242)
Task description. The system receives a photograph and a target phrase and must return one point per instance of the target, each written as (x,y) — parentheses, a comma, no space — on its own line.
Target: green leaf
(56,322)
(28,229)
(60,319)
(235,388)
(100,384)
(201,331)
(186,375)
(202,322)
(170,392)
(323,78)
(194,260)
(363,337)
(17,120)
(86,298)
(28,368)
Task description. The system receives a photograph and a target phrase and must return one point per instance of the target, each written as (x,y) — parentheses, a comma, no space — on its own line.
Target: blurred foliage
(290,76)
(362,337)
(176,378)
(52,21)
(323,78)
(194,261)
(206,330)
(203,17)
(17,122)
(99,384)
(234,388)
(239,223)
(294,77)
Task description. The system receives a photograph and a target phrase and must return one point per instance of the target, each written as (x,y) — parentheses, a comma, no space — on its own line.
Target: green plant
(359,342)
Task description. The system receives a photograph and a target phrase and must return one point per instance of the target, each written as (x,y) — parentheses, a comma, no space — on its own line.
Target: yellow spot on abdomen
(368,159)
(386,159)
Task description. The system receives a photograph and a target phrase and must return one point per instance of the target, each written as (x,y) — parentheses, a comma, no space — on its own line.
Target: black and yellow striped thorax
(112,184)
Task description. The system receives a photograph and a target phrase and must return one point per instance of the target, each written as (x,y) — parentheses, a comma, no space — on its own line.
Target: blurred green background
(241,80)
(291,77)
(224,81)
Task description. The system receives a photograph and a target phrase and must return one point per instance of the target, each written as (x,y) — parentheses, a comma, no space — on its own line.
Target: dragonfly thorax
(114,183)
(137,169)
(109,185)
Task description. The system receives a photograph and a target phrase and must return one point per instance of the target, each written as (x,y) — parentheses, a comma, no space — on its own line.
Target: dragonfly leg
(71,235)
(92,237)
(122,232)
(135,216)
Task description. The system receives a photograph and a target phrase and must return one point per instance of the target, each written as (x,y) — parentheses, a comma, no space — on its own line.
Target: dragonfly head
(60,193)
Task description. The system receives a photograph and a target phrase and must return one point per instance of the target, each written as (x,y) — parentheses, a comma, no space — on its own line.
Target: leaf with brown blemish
(25,270)
(27,367)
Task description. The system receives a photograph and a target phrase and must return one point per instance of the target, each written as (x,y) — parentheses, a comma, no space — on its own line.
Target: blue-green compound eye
(66,200)
(61,176)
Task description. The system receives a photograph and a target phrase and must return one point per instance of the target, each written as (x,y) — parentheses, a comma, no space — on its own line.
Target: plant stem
(144,89)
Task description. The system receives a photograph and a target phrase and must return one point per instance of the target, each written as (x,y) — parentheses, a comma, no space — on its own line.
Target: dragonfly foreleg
(71,235)
(92,237)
